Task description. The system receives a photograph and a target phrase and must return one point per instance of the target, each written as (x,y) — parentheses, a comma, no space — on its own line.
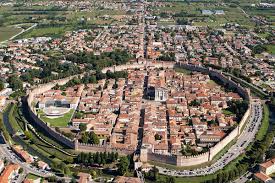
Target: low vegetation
(265,123)
(62,121)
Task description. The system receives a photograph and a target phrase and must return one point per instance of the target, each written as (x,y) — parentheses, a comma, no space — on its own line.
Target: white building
(1,165)
(268,167)
(161,94)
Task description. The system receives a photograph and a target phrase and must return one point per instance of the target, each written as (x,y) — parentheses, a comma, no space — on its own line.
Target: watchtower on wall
(143,154)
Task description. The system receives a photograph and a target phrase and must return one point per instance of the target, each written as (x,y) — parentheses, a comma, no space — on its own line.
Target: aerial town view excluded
(137,91)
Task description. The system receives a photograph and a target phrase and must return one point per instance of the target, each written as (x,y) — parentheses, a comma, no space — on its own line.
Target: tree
(1,85)
(67,170)
(258,49)
(123,165)
(195,103)
(153,174)
(92,79)
(78,115)
(93,138)
(158,137)
(52,179)
(15,83)
(20,170)
(93,174)
(73,180)
(170,179)
(85,138)
(82,127)
(28,135)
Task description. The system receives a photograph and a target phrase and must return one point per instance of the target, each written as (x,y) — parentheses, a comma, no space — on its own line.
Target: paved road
(5,152)
(24,30)
(244,178)
(238,148)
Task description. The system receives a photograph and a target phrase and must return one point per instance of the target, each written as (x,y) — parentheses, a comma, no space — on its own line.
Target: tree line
(98,62)
(238,107)
(100,158)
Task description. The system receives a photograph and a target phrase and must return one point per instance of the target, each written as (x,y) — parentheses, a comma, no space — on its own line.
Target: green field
(8,32)
(58,122)
(267,13)
(227,112)
(192,10)
(271,48)
(51,20)
(264,125)
(32,177)
(46,32)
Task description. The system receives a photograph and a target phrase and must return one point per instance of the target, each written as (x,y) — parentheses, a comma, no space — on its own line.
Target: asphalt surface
(6,152)
(246,137)
(244,178)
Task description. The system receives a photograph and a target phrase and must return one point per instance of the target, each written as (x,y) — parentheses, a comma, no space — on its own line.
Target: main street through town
(246,137)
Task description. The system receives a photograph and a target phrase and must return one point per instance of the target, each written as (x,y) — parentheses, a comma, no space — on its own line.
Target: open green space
(270,48)
(264,125)
(227,112)
(7,32)
(267,13)
(193,11)
(62,121)
(32,177)
(46,32)
(34,145)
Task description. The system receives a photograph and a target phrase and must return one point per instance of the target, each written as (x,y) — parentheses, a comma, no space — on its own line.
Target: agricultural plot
(7,32)
(193,11)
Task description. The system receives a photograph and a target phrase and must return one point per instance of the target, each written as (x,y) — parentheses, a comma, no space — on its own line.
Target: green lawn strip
(184,71)
(54,142)
(32,177)
(58,122)
(47,31)
(47,148)
(12,119)
(227,112)
(271,48)
(264,125)
(3,127)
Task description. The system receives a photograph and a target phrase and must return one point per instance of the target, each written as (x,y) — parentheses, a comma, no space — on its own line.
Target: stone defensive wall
(175,160)
(167,159)
(101,148)
(31,113)
(208,156)
(139,66)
